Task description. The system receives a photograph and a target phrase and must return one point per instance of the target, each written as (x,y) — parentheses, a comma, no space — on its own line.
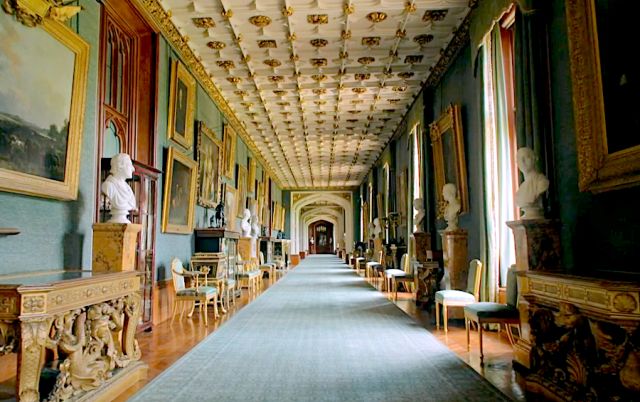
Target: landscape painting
(41,108)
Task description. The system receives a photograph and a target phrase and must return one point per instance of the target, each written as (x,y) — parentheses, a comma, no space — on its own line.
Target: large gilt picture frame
(448,156)
(42,102)
(179,193)
(209,166)
(241,186)
(604,105)
(229,141)
(182,100)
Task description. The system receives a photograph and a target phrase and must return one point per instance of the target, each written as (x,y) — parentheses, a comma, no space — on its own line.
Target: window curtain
(498,250)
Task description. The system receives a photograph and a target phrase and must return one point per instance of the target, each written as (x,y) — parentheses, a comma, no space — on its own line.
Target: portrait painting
(402,192)
(230,207)
(260,199)
(229,142)
(251,177)
(606,92)
(41,109)
(209,164)
(179,193)
(448,156)
(182,99)
(241,186)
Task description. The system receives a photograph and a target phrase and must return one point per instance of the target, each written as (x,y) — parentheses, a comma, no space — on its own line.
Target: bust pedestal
(247,248)
(537,244)
(114,246)
(456,263)
(377,248)
(421,244)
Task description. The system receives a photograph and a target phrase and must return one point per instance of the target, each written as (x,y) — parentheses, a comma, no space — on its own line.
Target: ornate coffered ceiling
(320,86)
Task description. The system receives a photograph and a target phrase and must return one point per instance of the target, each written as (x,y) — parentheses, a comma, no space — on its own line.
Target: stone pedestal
(537,244)
(421,244)
(247,248)
(456,263)
(295,259)
(302,255)
(114,246)
(377,248)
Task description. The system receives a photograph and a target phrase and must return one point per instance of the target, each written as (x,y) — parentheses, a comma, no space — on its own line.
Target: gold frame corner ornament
(449,120)
(180,72)
(598,169)
(173,155)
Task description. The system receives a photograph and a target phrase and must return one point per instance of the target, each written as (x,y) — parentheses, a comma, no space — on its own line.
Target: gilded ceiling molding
(162,20)
(33,12)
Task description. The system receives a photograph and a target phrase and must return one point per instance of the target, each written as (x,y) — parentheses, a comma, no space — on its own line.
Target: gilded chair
(373,266)
(249,274)
(195,294)
(459,298)
(408,276)
(218,276)
(269,268)
(495,313)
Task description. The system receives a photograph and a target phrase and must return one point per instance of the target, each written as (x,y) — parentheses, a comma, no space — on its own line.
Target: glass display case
(215,240)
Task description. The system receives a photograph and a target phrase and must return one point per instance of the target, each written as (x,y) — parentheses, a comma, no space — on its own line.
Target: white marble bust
(452,209)
(254,221)
(529,194)
(245,225)
(116,189)
(377,230)
(418,218)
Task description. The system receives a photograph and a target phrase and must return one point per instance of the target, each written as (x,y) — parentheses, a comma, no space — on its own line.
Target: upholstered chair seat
(201,291)
(454,295)
(459,298)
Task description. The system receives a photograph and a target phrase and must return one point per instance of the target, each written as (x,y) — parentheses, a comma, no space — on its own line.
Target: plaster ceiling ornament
(260,21)
(216,45)
(423,39)
(319,42)
(273,63)
(267,44)
(226,64)
(347,44)
(204,22)
(377,16)
(434,15)
(318,19)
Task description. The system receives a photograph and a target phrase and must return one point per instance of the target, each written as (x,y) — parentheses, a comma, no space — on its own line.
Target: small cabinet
(210,240)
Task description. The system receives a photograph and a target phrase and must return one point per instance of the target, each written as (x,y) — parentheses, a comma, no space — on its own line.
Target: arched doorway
(321,237)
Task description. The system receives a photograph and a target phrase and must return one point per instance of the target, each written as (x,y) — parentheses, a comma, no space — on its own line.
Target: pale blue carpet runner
(320,334)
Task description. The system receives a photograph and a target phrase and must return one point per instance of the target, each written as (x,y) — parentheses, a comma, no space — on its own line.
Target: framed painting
(229,142)
(241,185)
(182,100)
(230,207)
(209,164)
(365,221)
(402,193)
(251,177)
(260,201)
(606,93)
(42,101)
(448,156)
(179,193)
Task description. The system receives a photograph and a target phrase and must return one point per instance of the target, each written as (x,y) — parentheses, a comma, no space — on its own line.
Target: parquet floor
(171,340)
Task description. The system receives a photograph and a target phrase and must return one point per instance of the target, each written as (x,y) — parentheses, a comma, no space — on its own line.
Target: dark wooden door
(321,237)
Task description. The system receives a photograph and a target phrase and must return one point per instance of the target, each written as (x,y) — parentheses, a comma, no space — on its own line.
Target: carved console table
(583,337)
(80,325)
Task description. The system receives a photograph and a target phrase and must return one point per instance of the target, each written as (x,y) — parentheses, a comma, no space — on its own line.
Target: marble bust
(452,208)
(245,225)
(377,230)
(254,221)
(418,218)
(116,189)
(529,194)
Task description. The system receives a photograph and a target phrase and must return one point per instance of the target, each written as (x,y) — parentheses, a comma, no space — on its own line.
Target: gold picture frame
(448,156)
(251,178)
(209,165)
(260,200)
(229,142)
(182,99)
(37,158)
(230,208)
(599,169)
(179,193)
(241,186)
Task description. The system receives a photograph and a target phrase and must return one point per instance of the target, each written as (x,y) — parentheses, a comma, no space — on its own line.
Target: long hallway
(320,334)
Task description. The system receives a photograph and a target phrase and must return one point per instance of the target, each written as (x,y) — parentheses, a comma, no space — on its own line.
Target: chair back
(381,257)
(261,258)
(474,277)
(512,287)
(405,264)
(176,274)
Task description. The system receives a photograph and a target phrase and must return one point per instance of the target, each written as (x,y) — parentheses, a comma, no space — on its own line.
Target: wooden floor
(169,341)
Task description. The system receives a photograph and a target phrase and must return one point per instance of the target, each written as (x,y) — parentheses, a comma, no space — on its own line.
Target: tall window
(500,172)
